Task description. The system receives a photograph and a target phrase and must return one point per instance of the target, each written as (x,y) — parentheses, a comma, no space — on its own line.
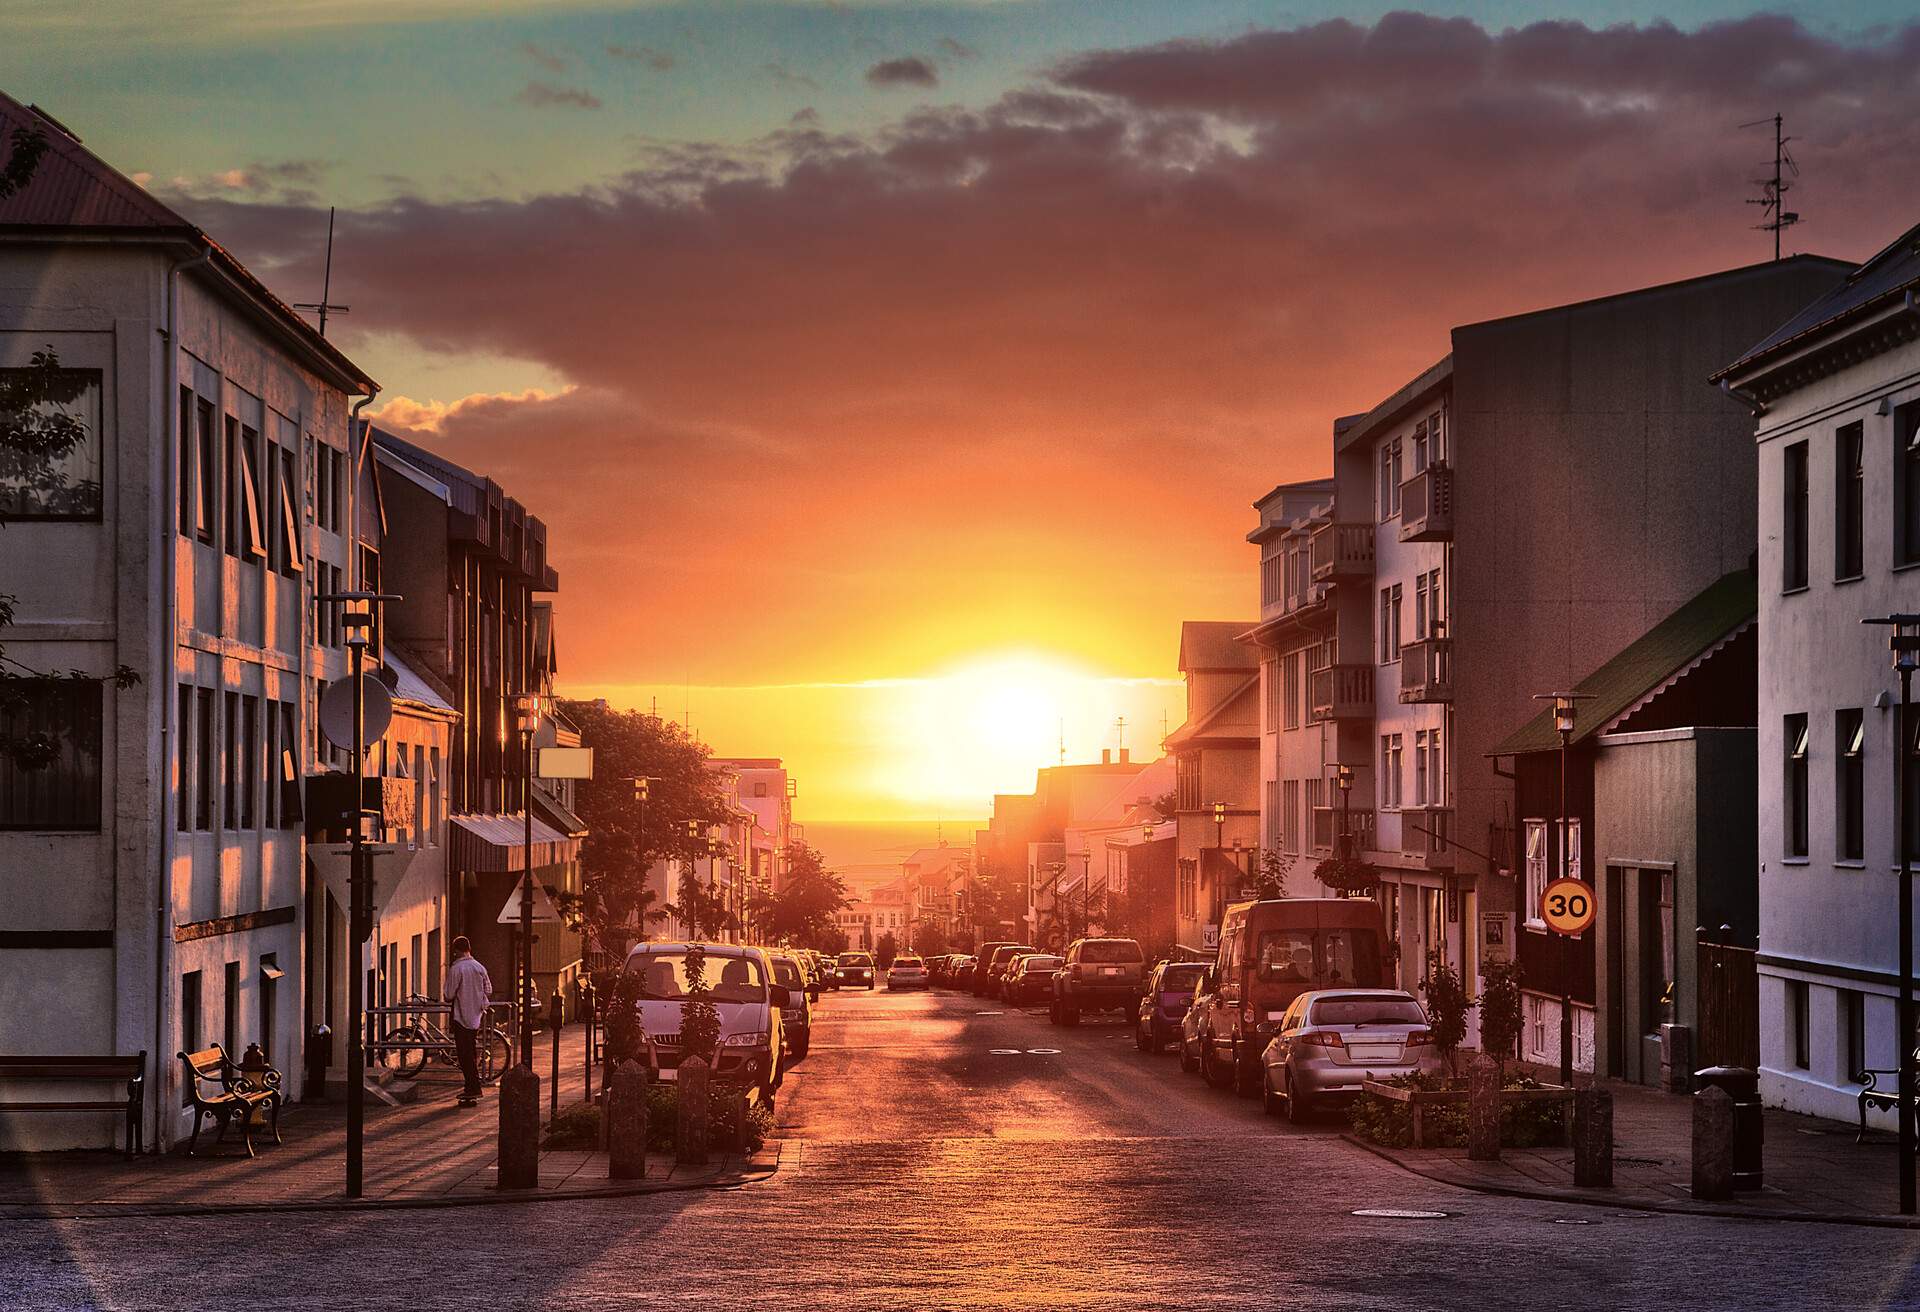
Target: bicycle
(405,1049)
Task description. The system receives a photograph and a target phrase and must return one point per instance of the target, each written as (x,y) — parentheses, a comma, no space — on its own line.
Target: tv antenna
(325,303)
(1774,189)
(1063,740)
(1120,732)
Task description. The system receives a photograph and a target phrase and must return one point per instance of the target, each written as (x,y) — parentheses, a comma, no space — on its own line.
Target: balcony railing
(1426,671)
(1342,551)
(1341,692)
(1426,505)
(1426,833)
(1326,827)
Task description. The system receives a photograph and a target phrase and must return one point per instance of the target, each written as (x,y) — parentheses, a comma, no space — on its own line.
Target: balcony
(1426,505)
(1426,671)
(1342,551)
(1326,827)
(1340,692)
(1426,834)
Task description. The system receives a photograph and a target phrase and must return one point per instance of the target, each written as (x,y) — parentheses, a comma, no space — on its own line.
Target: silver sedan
(1331,1039)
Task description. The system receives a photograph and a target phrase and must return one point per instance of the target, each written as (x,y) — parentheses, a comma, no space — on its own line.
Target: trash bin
(319,1056)
(1749,1129)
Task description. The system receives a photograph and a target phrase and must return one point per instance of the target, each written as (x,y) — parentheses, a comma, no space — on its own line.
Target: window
(183,748)
(184,474)
(1849,502)
(1793,519)
(434,795)
(286,769)
(1849,785)
(1420,767)
(1273,582)
(1389,770)
(204,757)
(1798,1027)
(270,765)
(1187,781)
(230,1027)
(232,491)
(253,507)
(1540,871)
(270,974)
(249,764)
(1389,479)
(206,520)
(190,1022)
(1794,789)
(230,760)
(1436,437)
(289,536)
(1390,624)
(1291,696)
(50,770)
(58,412)
(1853,1013)
(1290,815)
(1429,621)
(1906,483)
(1420,457)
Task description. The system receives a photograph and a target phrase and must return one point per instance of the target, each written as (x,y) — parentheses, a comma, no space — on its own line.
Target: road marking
(1005,1052)
(1400,1213)
(1044,1052)
(989,1013)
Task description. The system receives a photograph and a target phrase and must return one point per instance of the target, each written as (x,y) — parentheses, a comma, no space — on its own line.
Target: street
(920,1168)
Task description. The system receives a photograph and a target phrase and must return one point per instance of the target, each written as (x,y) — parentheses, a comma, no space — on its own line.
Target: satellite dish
(336,712)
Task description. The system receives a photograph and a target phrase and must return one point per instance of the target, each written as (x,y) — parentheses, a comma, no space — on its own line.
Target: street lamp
(1563,723)
(1343,780)
(530,709)
(1905,645)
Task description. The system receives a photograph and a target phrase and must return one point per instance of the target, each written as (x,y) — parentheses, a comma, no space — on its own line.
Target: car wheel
(1187,1062)
(1298,1108)
(1142,1037)
(1269,1100)
(1209,1063)
(1244,1076)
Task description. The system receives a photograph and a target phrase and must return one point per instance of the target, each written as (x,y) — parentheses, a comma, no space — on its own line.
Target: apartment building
(1216,754)
(1836,390)
(151,827)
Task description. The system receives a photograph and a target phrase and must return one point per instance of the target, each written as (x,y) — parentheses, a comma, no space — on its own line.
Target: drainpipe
(1756,407)
(170,646)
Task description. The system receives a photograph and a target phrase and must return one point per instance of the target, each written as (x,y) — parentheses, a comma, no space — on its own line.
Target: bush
(1390,1124)
(575,1128)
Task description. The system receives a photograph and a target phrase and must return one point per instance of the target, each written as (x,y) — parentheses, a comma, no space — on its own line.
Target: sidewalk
(1814,1171)
(426,1152)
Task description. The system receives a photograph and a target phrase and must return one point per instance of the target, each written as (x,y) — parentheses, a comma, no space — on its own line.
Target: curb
(1641,1202)
(752,1171)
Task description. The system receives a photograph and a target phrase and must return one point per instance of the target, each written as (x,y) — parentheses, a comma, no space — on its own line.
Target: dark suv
(1099,974)
(982,959)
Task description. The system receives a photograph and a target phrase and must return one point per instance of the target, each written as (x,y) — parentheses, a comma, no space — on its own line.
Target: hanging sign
(565,763)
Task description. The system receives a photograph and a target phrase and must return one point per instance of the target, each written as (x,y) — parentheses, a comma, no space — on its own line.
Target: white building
(157,897)
(1838,392)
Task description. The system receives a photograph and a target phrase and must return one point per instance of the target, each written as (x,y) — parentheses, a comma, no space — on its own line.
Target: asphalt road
(921,1168)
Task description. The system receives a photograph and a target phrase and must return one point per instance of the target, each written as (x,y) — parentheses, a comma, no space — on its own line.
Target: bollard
(1593,1138)
(1483,1110)
(553,1096)
(691,1085)
(1713,1145)
(627,1123)
(519,1166)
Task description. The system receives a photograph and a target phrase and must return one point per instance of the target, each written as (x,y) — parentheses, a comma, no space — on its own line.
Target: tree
(929,937)
(999,898)
(804,909)
(1270,874)
(1447,1006)
(1501,1015)
(699,1018)
(886,950)
(27,145)
(626,834)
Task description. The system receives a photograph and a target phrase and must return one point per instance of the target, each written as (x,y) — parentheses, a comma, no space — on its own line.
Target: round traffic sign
(1567,906)
(336,711)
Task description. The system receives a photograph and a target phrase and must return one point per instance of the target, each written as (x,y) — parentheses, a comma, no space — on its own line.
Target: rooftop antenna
(1773,190)
(1063,740)
(325,303)
(1120,729)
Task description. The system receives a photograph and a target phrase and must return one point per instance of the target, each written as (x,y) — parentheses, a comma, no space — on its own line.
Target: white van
(740,983)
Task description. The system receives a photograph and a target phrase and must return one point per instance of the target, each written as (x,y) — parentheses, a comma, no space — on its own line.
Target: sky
(895,377)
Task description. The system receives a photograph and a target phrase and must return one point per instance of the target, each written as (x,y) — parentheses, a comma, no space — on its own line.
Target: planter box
(1455,1094)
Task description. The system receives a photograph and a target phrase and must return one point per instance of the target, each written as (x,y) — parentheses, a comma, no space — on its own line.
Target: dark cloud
(911,71)
(646,56)
(964,348)
(547,59)
(545,95)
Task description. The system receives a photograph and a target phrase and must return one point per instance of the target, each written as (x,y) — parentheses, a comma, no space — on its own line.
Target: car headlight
(756,1039)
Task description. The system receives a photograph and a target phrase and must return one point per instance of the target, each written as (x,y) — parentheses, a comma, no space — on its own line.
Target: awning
(550,810)
(487,843)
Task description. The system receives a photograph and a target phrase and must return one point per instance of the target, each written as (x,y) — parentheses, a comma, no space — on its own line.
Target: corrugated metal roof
(1728,605)
(1887,275)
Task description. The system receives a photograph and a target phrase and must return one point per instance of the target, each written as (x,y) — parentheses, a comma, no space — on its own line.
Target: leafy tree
(699,1018)
(999,898)
(929,938)
(26,147)
(1270,874)
(886,950)
(1447,1006)
(1501,1015)
(803,911)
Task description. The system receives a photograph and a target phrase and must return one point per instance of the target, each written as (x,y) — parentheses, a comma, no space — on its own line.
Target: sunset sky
(895,377)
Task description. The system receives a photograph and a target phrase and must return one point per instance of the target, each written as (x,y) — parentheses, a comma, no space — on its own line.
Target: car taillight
(1323,1039)
(1419,1038)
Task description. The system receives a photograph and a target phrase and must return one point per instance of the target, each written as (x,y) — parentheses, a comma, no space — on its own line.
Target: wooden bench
(1872,1095)
(218,1088)
(63,1070)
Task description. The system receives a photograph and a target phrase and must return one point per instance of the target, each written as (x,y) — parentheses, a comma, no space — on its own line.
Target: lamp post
(1563,724)
(529,709)
(1343,780)
(1905,645)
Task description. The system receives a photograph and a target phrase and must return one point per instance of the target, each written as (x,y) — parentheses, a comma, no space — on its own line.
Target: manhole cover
(1573,1220)
(1044,1052)
(1004,1052)
(1400,1213)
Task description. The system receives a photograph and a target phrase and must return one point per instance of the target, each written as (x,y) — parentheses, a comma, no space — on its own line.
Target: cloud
(778,71)
(545,58)
(912,71)
(1024,365)
(405,413)
(545,95)
(657,60)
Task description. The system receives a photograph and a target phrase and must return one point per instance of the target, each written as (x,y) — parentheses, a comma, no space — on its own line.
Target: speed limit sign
(1566,905)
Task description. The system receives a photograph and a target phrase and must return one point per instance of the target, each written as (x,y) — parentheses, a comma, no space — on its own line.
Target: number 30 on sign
(1566,905)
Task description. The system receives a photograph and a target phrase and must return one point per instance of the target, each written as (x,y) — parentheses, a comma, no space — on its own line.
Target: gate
(1729,1006)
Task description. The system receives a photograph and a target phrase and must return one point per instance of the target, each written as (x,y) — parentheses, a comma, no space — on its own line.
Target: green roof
(1727,606)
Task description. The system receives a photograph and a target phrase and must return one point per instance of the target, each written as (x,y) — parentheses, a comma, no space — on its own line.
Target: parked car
(1271,952)
(1098,974)
(1031,980)
(1164,1002)
(983,960)
(963,974)
(907,973)
(854,970)
(796,1018)
(997,967)
(1329,1040)
(1193,1025)
(741,986)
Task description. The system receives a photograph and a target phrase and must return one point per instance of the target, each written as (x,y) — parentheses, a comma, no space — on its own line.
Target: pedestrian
(469,992)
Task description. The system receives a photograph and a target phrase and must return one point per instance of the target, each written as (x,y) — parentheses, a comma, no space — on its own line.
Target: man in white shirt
(468,990)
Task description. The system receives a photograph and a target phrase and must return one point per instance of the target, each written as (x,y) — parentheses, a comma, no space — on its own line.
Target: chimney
(1106,756)
(1126,755)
